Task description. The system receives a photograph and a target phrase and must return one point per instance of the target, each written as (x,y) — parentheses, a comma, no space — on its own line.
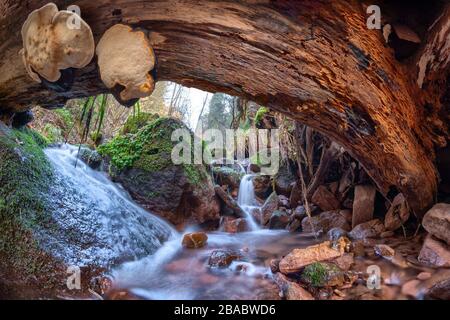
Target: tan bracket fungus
(125,58)
(50,45)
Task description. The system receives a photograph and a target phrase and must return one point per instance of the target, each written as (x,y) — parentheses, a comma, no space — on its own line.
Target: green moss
(318,274)
(260,114)
(52,133)
(66,117)
(149,149)
(25,177)
(135,122)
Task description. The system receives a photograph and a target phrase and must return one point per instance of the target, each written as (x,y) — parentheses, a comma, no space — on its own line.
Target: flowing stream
(156,266)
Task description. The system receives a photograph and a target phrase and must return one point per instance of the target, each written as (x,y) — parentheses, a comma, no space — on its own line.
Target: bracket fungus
(125,59)
(53,44)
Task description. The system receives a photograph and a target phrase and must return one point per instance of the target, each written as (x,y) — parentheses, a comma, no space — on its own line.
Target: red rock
(345,262)
(397,214)
(223,257)
(435,253)
(424,276)
(370,229)
(268,208)
(233,225)
(194,240)
(437,221)
(363,204)
(291,290)
(326,221)
(384,251)
(274,265)
(325,199)
(299,258)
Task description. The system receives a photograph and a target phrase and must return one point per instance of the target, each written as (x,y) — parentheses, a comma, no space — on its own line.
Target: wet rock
(233,225)
(424,276)
(397,214)
(254,168)
(437,221)
(262,185)
(285,179)
(358,249)
(294,224)
(363,204)
(91,157)
(60,225)
(299,258)
(274,265)
(227,201)
(326,221)
(224,175)
(290,289)
(299,213)
(325,199)
(435,253)
(370,229)
(283,201)
(412,289)
(384,251)
(269,206)
(439,286)
(194,240)
(278,220)
(345,262)
(182,194)
(322,274)
(336,233)
(387,234)
(223,257)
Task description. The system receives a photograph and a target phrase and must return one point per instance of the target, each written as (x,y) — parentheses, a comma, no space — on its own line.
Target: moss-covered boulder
(53,215)
(141,162)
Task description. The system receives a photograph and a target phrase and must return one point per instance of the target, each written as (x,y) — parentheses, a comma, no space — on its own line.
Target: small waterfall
(102,214)
(247,200)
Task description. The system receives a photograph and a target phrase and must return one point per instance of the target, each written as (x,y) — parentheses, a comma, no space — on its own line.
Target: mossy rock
(142,163)
(48,222)
(323,274)
(135,122)
(224,175)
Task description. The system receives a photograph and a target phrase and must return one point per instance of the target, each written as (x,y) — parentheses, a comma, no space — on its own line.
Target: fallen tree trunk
(315,61)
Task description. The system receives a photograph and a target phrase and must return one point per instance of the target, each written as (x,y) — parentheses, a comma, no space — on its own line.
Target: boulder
(91,157)
(363,204)
(345,261)
(299,258)
(384,251)
(221,258)
(278,220)
(336,233)
(323,274)
(435,253)
(50,221)
(326,221)
(224,175)
(325,199)
(290,289)
(285,179)
(439,285)
(370,229)
(226,200)
(233,225)
(269,206)
(262,185)
(437,221)
(142,163)
(283,201)
(194,240)
(397,214)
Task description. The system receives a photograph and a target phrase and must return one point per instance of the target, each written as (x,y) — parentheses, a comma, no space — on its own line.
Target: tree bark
(315,61)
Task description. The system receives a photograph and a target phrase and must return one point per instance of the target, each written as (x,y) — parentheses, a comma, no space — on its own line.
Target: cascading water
(105,223)
(247,200)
